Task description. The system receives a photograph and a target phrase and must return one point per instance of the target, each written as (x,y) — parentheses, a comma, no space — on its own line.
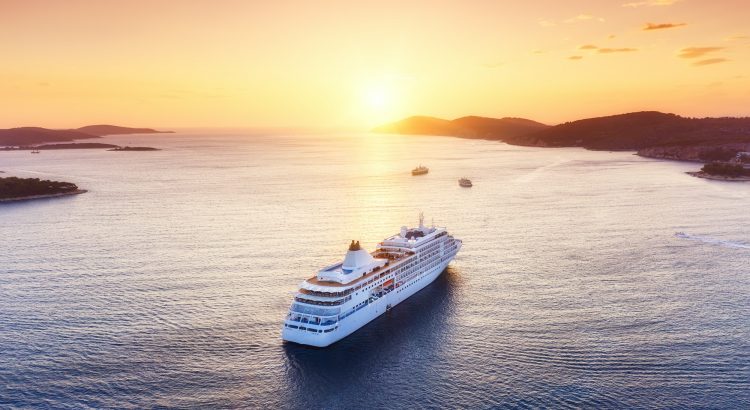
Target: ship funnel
(403,231)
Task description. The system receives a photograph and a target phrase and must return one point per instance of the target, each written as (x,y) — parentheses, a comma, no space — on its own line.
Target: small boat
(36,151)
(465,182)
(420,170)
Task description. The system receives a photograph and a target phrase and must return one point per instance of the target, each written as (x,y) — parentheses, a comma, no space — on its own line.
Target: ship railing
(313,320)
(314,311)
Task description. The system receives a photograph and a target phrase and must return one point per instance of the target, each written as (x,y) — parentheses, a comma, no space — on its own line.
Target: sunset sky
(350,64)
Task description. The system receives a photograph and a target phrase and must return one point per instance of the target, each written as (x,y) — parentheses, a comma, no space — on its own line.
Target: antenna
(421,219)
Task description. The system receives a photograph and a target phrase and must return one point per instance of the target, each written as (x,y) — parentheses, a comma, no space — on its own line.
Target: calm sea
(166,284)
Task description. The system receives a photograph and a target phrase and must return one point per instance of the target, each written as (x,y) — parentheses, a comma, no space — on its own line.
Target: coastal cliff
(695,153)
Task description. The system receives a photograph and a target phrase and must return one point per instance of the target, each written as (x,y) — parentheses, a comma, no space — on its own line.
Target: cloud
(659,26)
(738,37)
(575,58)
(547,23)
(650,3)
(710,61)
(588,47)
(583,17)
(697,52)
(616,50)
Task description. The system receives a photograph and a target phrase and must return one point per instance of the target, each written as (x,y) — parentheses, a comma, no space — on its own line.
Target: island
(126,148)
(78,145)
(28,136)
(21,189)
(736,169)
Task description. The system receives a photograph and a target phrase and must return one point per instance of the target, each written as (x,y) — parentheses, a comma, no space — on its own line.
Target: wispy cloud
(588,47)
(660,26)
(710,61)
(737,37)
(575,58)
(584,17)
(697,52)
(616,50)
(650,3)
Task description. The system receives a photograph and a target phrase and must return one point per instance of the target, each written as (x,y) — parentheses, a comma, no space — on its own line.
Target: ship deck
(392,262)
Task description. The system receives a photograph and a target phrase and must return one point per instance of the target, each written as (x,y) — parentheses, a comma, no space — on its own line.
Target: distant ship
(347,295)
(465,182)
(36,151)
(420,170)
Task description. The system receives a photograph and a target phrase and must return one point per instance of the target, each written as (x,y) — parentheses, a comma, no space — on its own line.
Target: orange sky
(343,63)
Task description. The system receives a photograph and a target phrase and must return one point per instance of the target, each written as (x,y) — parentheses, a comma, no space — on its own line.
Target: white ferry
(347,295)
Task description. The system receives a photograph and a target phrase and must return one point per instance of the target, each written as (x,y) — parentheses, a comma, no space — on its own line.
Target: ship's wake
(712,241)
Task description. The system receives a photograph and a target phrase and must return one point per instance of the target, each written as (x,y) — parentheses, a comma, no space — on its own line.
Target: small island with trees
(19,189)
(735,169)
(126,148)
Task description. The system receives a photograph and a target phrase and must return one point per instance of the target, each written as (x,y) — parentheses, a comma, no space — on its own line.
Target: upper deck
(359,266)
(411,238)
(392,260)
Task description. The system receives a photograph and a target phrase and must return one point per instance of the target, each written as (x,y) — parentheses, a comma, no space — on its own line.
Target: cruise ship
(347,295)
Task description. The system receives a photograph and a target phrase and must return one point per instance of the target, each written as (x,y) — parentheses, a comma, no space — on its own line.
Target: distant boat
(420,170)
(465,182)
(36,151)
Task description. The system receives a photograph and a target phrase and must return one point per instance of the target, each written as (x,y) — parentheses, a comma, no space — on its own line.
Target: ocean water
(166,284)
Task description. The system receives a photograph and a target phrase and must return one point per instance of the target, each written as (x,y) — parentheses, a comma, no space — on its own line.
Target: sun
(377,97)
(380,101)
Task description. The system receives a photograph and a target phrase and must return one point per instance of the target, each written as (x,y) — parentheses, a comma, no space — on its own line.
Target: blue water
(166,284)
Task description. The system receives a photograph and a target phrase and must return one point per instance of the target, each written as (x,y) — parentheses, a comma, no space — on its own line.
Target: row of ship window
(309,329)
(324,303)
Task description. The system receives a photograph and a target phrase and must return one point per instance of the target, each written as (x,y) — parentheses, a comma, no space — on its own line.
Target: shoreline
(701,174)
(32,197)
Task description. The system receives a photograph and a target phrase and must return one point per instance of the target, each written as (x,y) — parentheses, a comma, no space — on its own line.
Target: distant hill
(101,130)
(465,127)
(639,130)
(651,133)
(25,136)
(36,135)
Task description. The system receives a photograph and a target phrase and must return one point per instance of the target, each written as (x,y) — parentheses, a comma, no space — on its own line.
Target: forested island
(723,171)
(17,189)
(29,136)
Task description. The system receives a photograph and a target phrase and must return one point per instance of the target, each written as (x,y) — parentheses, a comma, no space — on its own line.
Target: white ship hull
(368,313)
